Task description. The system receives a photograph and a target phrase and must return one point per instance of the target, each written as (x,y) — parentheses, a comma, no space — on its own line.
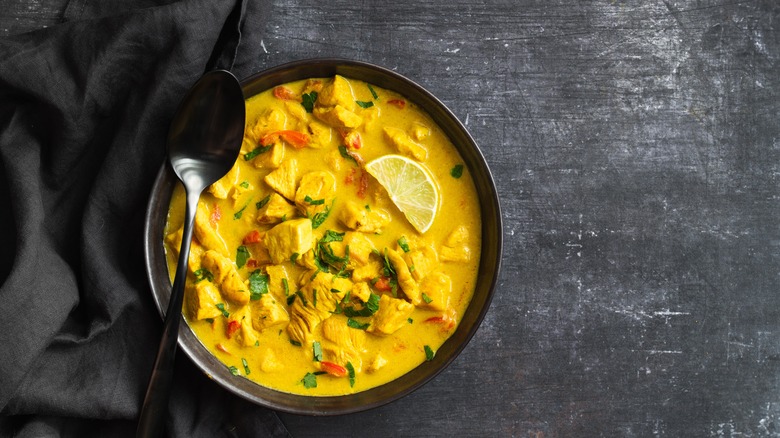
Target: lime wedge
(410,186)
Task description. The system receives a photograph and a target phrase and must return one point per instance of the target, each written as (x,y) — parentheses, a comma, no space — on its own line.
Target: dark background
(635,146)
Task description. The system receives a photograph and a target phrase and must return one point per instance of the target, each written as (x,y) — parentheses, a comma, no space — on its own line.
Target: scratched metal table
(635,146)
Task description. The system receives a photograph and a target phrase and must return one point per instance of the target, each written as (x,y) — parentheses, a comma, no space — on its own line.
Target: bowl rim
(487,277)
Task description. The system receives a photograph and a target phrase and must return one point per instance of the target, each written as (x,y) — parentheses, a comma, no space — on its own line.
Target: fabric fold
(84,113)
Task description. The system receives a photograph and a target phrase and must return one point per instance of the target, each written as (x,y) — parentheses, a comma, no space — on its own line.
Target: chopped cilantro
(233,370)
(403,243)
(363,104)
(351,372)
(311,201)
(242,255)
(429,354)
(246,366)
(258,284)
(256,151)
(426,298)
(294,257)
(370,307)
(457,171)
(319,218)
(344,153)
(308,101)
(356,324)
(373,93)
(262,202)
(317,351)
(290,299)
(203,274)
(294,342)
(237,215)
(309,380)
(303,299)
(411,321)
(285,286)
(221,307)
(244,184)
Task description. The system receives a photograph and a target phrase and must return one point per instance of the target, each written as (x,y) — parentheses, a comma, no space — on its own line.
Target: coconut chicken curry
(341,249)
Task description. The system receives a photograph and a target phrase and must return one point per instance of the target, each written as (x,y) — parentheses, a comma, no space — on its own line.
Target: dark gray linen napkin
(84,113)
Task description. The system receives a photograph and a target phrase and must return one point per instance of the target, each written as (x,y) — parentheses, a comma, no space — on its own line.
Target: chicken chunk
(267,312)
(234,289)
(246,334)
(202,300)
(217,264)
(284,179)
(405,279)
(361,291)
(288,238)
(358,218)
(421,261)
(272,158)
(435,290)
(207,235)
(275,210)
(196,250)
(342,344)
(270,121)
(221,189)
(338,117)
(318,300)
(337,92)
(277,279)
(320,133)
(404,144)
(393,314)
(360,248)
(455,247)
(315,192)
(367,272)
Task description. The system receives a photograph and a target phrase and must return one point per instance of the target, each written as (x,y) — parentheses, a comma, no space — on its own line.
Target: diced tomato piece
(284,93)
(296,139)
(252,263)
(362,185)
(253,236)
(447,322)
(333,369)
(232,328)
(352,139)
(216,215)
(399,103)
(383,284)
(349,179)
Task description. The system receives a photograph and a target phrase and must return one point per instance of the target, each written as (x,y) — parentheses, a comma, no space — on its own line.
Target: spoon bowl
(203,143)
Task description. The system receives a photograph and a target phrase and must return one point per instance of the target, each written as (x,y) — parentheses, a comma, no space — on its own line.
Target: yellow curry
(304,274)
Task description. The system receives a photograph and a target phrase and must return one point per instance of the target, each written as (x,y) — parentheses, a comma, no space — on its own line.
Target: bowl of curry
(348,256)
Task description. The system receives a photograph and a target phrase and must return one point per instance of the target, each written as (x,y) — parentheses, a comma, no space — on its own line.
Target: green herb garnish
(262,202)
(311,201)
(221,307)
(373,93)
(319,218)
(233,371)
(294,342)
(370,307)
(203,274)
(457,171)
(429,354)
(246,366)
(294,257)
(344,153)
(244,184)
(309,380)
(356,324)
(286,287)
(403,243)
(308,101)
(242,255)
(426,298)
(317,351)
(363,104)
(351,373)
(258,284)
(237,215)
(257,151)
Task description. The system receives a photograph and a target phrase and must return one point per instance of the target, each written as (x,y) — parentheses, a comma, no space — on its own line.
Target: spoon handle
(155,408)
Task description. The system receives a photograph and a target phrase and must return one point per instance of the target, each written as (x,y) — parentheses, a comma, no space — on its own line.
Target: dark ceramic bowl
(157,269)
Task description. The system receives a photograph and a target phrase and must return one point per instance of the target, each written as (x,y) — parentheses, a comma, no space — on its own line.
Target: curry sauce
(304,276)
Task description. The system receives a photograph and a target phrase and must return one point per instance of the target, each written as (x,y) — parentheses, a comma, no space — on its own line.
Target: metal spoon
(203,143)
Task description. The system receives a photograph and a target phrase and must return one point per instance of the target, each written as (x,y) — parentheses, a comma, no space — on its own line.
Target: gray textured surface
(636,148)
